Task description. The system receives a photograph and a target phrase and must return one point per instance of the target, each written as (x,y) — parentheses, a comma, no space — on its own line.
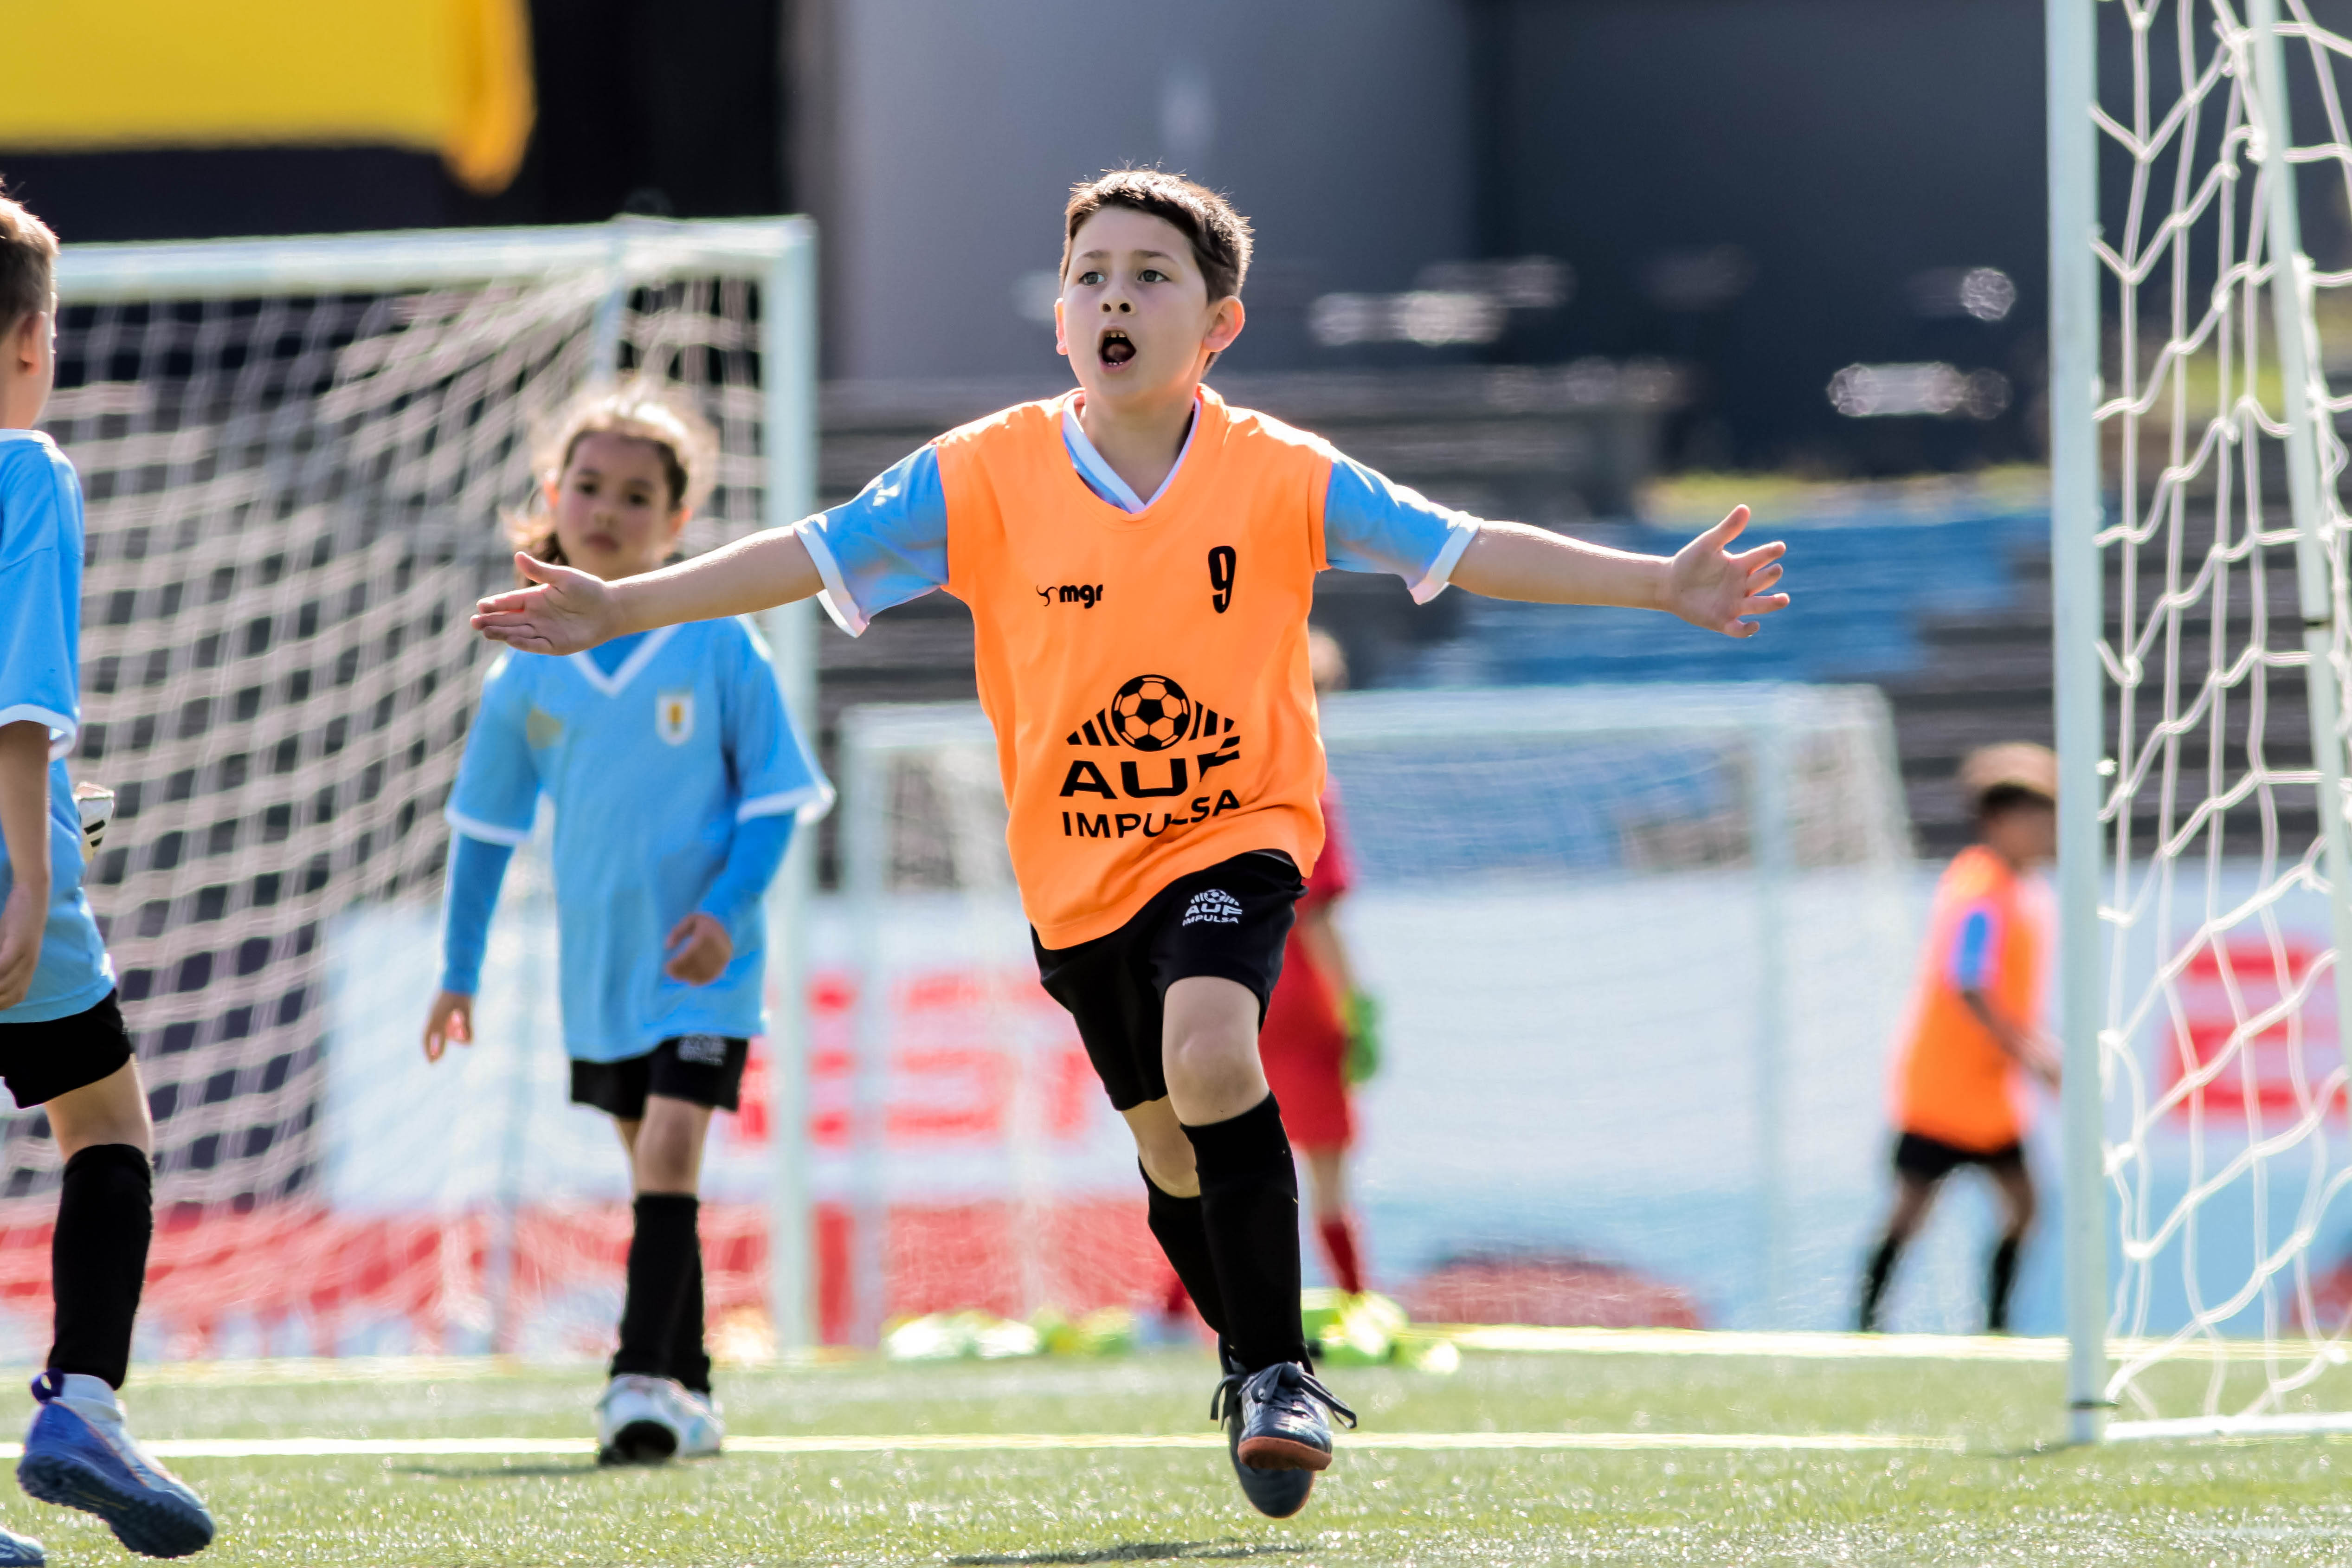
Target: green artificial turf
(1999,1499)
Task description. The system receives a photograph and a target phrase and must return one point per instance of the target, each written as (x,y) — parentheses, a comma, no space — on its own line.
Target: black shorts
(1229,920)
(1926,1159)
(701,1070)
(41,1061)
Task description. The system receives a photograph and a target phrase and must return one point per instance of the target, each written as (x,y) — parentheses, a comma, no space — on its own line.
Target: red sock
(1340,1246)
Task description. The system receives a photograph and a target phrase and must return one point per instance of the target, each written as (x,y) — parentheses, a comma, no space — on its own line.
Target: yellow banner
(445,76)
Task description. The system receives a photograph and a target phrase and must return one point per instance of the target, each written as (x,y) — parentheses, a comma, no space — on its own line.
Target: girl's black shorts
(1229,920)
(701,1070)
(41,1061)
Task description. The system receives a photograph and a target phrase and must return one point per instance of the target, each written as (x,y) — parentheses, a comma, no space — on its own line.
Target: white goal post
(2201,643)
(313,439)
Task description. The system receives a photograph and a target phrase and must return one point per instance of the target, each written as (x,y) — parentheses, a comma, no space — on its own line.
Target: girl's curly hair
(640,411)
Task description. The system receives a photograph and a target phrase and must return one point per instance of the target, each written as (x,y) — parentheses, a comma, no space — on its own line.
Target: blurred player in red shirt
(1320,1032)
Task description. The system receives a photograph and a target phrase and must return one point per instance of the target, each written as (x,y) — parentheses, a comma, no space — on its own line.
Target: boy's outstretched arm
(566,610)
(1704,581)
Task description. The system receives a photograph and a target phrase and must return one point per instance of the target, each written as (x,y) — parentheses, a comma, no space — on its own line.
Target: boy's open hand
(23,920)
(699,950)
(1709,586)
(566,611)
(450,1021)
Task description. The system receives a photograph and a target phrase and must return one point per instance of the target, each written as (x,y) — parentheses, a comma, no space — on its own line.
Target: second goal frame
(779,256)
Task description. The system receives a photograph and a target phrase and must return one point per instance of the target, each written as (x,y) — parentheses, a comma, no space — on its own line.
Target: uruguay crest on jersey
(674,715)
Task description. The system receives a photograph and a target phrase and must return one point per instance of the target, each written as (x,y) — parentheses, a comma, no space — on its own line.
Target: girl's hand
(568,610)
(1709,586)
(452,1019)
(699,950)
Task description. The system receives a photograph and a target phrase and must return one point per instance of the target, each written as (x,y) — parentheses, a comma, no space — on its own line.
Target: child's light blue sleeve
(497,783)
(476,871)
(1973,966)
(40,591)
(885,547)
(775,773)
(752,857)
(777,781)
(1370,524)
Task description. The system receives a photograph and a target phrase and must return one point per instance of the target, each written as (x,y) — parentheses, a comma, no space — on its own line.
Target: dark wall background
(1841,146)
(672,108)
(1818,154)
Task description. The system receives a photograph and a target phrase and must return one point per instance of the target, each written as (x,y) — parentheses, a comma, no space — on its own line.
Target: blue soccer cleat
(20,1550)
(1276,1434)
(79,1454)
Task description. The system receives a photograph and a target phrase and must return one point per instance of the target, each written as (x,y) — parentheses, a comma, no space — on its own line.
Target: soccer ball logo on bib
(674,716)
(1150,714)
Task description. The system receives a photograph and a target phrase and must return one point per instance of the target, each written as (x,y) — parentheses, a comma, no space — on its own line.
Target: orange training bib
(1954,1082)
(1146,673)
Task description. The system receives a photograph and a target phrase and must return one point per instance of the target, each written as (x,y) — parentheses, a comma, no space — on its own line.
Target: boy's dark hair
(28,255)
(2004,799)
(1219,235)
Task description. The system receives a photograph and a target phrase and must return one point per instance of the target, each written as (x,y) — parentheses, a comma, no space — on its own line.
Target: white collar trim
(639,656)
(1100,473)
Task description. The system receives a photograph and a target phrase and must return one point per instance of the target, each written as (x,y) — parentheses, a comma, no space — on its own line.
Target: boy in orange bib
(1140,560)
(1959,1099)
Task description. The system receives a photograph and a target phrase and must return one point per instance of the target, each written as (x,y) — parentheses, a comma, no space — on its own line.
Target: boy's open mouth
(1115,348)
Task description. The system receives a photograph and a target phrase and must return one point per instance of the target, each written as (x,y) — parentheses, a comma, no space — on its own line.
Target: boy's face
(612,507)
(1135,317)
(28,369)
(2024,835)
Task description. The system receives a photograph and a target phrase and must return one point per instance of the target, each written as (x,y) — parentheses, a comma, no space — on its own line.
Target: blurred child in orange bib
(1960,1096)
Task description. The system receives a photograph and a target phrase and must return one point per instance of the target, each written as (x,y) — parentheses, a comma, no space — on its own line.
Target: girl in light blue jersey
(676,776)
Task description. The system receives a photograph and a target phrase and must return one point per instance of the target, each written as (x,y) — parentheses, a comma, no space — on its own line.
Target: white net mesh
(2224,1080)
(1641,953)
(293,497)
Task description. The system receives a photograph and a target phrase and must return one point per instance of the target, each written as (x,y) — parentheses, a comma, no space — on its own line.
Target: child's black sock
(1249,1211)
(1874,1282)
(663,1249)
(97,1259)
(689,1362)
(2000,1274)
(1183,1236)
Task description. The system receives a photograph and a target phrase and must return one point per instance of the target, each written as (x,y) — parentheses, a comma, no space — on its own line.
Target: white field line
(1057,1442)
(1504,1337)
(2317,1423)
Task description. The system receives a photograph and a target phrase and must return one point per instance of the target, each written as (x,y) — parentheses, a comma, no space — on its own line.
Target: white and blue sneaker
(700,1429)
(79,1454)
(20,1550)
(637,1420)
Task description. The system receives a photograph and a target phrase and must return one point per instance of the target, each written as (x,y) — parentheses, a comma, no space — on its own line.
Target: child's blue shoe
(20,1550)
(79,1454)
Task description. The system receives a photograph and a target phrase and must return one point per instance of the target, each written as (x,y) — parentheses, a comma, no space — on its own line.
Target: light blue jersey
(889,543)
(40,652)
(650,768)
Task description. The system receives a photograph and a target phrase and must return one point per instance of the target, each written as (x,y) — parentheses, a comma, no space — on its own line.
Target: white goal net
(296,456)
(1640,951)
(2202,613)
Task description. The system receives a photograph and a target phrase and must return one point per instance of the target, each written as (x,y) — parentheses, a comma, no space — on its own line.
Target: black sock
(2000,1275)
(97,1259)
(1183,1236)
(1874,1282)
(663,1249)
(1249,1213)
(689,1362)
